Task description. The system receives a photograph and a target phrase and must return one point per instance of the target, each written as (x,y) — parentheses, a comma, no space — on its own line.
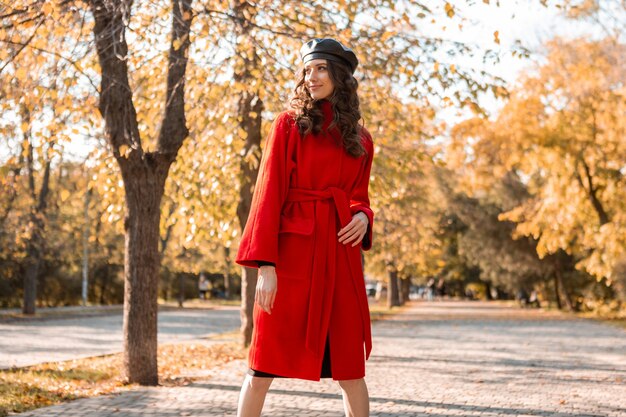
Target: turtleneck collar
(329,115)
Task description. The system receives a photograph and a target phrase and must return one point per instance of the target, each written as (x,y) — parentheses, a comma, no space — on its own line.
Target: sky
(524,20)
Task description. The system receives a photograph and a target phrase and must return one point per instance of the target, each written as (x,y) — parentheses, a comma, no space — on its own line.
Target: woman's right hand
(266,287)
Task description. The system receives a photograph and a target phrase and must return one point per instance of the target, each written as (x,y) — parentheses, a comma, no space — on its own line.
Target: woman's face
(317,79)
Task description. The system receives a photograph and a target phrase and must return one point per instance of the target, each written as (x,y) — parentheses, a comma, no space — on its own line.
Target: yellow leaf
(496,38)
(47,8)
(124,151)
(59,30)
(452,68)
(21,73)
(449,10)
(24,127)
(178,42)
(65,194)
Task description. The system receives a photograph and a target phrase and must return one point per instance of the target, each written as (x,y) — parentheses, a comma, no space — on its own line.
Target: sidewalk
(75,333)
(434,359)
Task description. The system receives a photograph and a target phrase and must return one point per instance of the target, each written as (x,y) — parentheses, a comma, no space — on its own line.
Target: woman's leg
(356,400)
(252,396)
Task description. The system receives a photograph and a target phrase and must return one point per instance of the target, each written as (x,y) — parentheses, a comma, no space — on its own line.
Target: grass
(24,389)
(615,319)
(60,313)
(619,322)
(197,303)
(380,311)
(94,310)
(611,312)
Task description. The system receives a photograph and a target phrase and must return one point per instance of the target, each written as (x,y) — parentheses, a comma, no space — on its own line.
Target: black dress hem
(325,372)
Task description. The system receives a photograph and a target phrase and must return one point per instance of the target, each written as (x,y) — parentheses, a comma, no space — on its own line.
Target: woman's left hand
(355,230)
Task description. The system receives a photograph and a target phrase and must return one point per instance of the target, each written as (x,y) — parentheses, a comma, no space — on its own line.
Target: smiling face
(317,79)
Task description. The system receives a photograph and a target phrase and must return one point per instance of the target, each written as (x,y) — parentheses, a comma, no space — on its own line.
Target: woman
(310,217)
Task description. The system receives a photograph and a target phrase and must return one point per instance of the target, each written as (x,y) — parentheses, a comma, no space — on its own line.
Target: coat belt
(324,264)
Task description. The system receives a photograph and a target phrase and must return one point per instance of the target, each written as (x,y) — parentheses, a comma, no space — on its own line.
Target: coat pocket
(295,247)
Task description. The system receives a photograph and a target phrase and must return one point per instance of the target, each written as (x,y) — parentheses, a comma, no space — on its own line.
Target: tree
(265,44)
(561,134)
(400,188)
(39,109)
(144,172)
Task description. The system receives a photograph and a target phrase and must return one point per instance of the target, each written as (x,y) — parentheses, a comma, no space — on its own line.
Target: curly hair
(345,101)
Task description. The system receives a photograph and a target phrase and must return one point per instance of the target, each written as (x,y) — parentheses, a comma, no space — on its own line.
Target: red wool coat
(309,188)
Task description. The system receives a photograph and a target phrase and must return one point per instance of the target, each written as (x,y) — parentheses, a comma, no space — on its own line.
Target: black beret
(328,49)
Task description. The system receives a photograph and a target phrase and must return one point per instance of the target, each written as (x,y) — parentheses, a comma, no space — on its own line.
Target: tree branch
(58,55)
(173,128)
(591,191)
(116,102)
(22,46)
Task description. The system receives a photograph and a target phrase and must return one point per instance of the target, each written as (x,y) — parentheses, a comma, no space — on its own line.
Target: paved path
(30,342)
(436,359)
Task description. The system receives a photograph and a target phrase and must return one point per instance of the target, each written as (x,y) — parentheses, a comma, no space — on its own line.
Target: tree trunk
(144,173)
(591,189)
(562,261)
(31,272)
(104,282)
(85,284)
(227,290)
(558,275)
(249,111)
(405,286)
(393,296)
(37,222)
(248,287)
(33,262)
(181,290)
(141,272)
(488,291)
(249,172)
(557,291)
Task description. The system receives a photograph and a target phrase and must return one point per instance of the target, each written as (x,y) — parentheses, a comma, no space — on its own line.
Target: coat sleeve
(259,241)
(359,200)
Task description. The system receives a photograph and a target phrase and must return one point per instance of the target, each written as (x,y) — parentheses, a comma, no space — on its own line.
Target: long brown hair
(345,102)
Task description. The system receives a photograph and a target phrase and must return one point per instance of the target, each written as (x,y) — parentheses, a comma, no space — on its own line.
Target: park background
(500,150)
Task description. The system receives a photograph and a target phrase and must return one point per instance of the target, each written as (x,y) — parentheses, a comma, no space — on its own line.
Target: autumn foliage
(530,197)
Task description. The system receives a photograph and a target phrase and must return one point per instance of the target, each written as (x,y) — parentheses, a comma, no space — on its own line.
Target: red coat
(306,191)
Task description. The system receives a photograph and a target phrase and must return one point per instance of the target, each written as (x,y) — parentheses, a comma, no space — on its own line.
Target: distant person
(441,288)
(522,297)
(533,299)
(430,289)
(310,217)
(203,286)
(379,291)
